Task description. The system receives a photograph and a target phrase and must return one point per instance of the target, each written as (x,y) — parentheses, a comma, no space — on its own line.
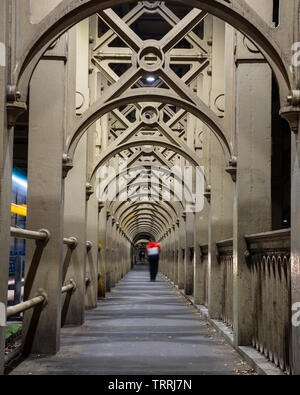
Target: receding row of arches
(153,137)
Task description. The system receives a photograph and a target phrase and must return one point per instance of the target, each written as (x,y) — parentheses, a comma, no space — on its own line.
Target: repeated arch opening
(137,196)
(156,95)
(174,207)
(153,207)
(144,214)
(144,221)
(237,13)
(162,209)
(123,207)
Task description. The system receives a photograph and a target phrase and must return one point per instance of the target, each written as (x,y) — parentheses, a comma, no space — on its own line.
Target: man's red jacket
(152,244)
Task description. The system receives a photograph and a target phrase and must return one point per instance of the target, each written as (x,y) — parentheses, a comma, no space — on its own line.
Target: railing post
(41,328)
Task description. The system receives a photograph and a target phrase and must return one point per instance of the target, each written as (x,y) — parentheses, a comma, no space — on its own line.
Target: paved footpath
(141,328)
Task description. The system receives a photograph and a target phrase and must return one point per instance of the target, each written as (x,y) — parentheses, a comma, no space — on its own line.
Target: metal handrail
(71,242)
(88,280)
(70,287)
(89,245)
(29,304)
(43,234)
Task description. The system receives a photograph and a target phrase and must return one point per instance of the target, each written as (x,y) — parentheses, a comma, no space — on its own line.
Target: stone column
(113,253)
(73,304)
(172,254)
(108,254)
(102,248)
(92,254)
(73,309)
(181,257)
(292,114)
(189,254)
(190,216)
(295,250)
(220,210)
(41,327)
(252,198)
(176,251)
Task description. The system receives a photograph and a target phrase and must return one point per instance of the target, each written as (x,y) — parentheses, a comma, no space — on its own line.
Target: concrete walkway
(141,328)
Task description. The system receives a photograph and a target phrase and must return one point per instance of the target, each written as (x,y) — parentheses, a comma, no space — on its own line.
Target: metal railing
(89,245)
(225,255)
(69,287)
(22,307)
(71,242)
(40,299)
(42,235)
(269,261)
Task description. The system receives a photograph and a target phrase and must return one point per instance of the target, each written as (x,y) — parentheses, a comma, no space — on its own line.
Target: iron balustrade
(225,257)
(268,258)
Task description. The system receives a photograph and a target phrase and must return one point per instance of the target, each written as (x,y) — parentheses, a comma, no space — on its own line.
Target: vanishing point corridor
(150,133)
(141,328)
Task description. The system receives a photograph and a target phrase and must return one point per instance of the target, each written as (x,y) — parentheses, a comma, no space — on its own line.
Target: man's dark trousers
(153,262)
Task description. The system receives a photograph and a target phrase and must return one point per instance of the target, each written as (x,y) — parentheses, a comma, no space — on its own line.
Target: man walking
(153,251)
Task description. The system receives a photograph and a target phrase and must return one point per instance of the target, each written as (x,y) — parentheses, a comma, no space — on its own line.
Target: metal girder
(141,211)
(126,141)
(167,207)
(141,235)
(146,165)
(152,205)
(35,39)
(145,225)
(144,222)
(142,95)
(144,216)
(134,142)
(141,194)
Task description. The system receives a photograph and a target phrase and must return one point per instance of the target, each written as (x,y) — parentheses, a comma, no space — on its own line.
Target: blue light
(21,181)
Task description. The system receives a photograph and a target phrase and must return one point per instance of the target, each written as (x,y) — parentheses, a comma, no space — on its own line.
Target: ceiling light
(150,78)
